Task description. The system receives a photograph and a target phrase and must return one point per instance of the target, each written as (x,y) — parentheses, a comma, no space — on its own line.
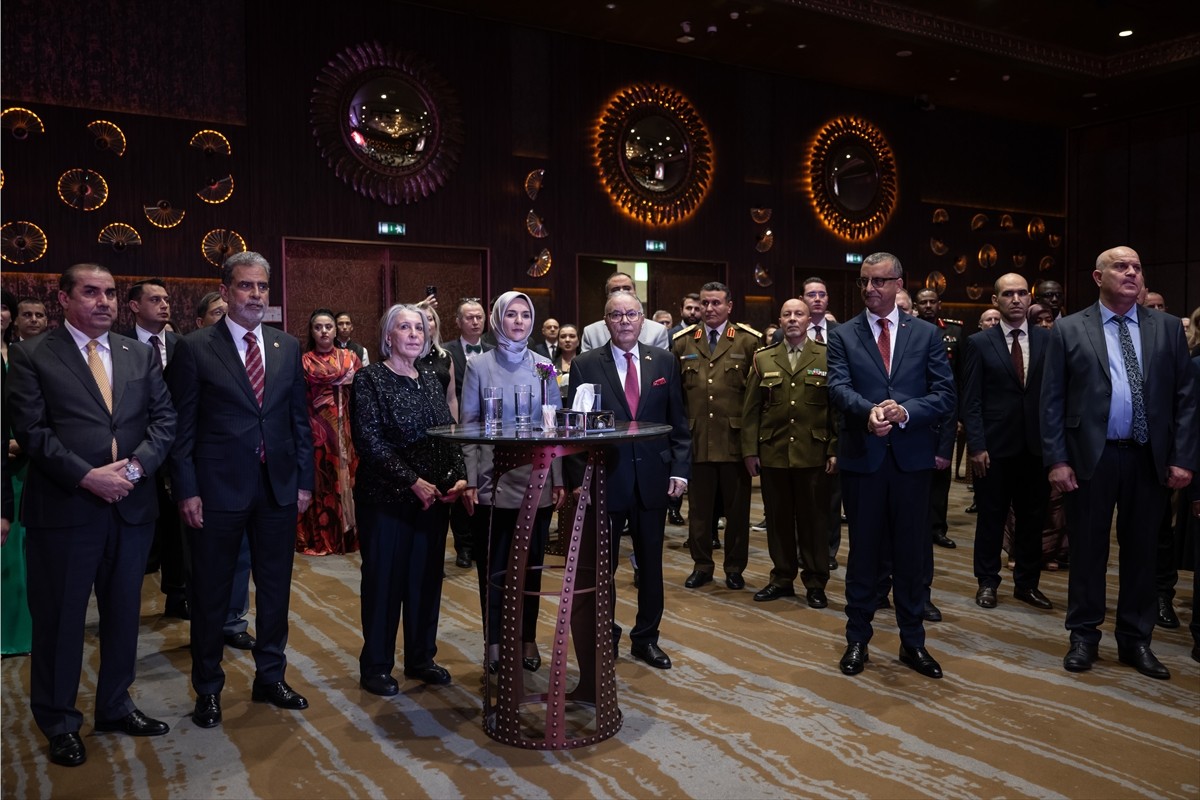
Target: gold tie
(100,375)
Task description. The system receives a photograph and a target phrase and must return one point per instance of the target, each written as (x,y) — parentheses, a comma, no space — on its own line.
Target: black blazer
(221,426)
(62,423)
(647,464)
(455,348)
(1000,415)
(171,340)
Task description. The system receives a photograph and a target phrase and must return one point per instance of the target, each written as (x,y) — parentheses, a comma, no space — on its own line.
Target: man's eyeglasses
(617,316)
(878,283)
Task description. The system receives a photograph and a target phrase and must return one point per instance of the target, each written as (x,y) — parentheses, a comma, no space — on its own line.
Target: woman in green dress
(15,626)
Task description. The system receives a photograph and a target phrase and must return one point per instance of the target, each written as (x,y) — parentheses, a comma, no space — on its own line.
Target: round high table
(585,612)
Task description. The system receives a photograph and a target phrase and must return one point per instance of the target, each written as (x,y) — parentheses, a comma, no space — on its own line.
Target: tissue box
(571,421)
(600,421)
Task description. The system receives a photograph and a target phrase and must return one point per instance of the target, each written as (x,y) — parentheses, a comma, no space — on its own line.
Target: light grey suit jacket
(596,335)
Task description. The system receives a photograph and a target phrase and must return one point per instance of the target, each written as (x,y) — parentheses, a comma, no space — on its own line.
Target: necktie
(632,392)
(1134,374)
(100,375)
(254,371)
(1018,357)
(158,348)
(819,337)
(793,356)
(885,346)
(712,340)
(474,348)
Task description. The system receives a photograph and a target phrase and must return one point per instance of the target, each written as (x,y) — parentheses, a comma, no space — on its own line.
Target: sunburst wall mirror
(850,176)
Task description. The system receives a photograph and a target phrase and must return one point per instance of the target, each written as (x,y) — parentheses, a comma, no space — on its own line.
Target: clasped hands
(885,416)
(470,496)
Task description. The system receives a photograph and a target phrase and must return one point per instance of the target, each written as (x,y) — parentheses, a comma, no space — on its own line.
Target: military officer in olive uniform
(788,436)
(929,308)
(714,359)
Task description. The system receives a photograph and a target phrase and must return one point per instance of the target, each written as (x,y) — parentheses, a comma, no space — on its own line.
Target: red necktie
(631,385)
(1018,358)
(885,346)
(254,371)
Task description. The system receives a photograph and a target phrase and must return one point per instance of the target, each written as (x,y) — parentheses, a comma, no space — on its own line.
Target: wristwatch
(133,471)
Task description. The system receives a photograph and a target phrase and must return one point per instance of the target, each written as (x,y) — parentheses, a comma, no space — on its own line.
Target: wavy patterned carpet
(754,707)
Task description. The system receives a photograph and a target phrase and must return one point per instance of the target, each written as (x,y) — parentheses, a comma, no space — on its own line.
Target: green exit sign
(854,258)
(392,229)
(656,246)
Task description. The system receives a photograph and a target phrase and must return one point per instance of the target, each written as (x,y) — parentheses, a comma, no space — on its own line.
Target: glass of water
(596,404)
(493,407)
(523,405)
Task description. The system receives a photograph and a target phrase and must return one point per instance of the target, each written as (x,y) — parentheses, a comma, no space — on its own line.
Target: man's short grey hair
(389,317)
(879,258)
(247,258)
(608,305)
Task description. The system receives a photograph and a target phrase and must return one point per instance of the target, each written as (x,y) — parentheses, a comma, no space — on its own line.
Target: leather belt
(1123,443)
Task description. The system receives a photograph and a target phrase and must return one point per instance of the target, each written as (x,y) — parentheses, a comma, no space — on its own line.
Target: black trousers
(1125,479)
(64,564)
(646,527)
(1018,481)
(491,566)
(403,554)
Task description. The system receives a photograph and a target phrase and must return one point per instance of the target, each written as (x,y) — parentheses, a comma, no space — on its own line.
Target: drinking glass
(493,406)
(523,407)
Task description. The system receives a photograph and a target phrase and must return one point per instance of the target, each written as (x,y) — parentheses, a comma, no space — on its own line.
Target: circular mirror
(654,154)
(851,178)
(387,123)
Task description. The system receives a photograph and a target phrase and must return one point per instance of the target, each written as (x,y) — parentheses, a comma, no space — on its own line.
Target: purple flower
(545,370)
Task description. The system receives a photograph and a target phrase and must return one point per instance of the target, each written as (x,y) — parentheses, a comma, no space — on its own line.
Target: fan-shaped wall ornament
(119,235)
(82,189)
(657,179)
(533,183)
(850,178)
(107,136)
(760,215)
(536,225)
(219,244)
(163,215)
(541,265)
(21,122)
(22,242)
(387,123)
(217,190)
(210,142)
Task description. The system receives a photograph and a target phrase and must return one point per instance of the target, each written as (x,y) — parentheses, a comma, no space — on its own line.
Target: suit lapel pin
(125,347)
(276,345)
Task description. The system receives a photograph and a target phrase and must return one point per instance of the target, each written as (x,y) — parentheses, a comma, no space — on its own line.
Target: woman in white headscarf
(496,504)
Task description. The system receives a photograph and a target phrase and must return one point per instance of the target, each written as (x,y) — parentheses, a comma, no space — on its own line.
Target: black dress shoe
(919,659)
(637,576)
(833,564)
(177,608)
(1166,614)
(240,640)
(1034,598)
(66,750)
(279,695)
(532,663)
(734,580)
(942,540)
(697,579)
(854,658)
(1196,652)
(931,613)
(1142,659)
(207,713)
(716,543)
(674,517)
(971,509)
(817,599)
(135,723)
(463,560)
(382,685)
(1080,657)
(773,592)
(651,654)
(431,674)
(986,597)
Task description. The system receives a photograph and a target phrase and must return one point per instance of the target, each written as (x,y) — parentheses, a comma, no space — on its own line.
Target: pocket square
(660,382)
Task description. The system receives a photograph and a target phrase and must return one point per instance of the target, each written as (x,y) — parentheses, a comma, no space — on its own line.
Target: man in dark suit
(242,463)
(92,413)
(816,295)
(1119,427)
(889,376)
(1002,385)
(345,329)
(929,308)
(640,383)
(151,306)
(548,346)
(471,342)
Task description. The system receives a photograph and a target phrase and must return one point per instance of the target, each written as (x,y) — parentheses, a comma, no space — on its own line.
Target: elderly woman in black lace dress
(405,484)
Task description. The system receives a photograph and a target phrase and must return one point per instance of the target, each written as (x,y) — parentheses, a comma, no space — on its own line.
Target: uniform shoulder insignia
(682,331)
(768,347)
(748,329)
(949,321)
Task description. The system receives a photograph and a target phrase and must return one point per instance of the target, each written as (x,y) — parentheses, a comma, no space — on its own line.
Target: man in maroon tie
(243,463)
(639,382)
(1002,384)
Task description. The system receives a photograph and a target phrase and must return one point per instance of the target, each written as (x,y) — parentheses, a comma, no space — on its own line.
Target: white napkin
(584,395)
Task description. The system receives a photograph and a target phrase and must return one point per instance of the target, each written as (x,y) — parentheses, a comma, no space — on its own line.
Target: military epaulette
(682,331)
(748,329)
(769,346)
(949,321)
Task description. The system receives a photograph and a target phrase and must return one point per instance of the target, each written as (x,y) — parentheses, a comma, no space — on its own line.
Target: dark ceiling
(1058,62)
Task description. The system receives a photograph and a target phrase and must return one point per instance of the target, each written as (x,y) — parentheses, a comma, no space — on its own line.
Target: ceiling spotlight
(711,29)
(903,53)
(734,15)
(1089,94)
(686,26)
(801,46)
(611,6)
(1005,77)
(685,39)
(953,78)
(1124,34)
